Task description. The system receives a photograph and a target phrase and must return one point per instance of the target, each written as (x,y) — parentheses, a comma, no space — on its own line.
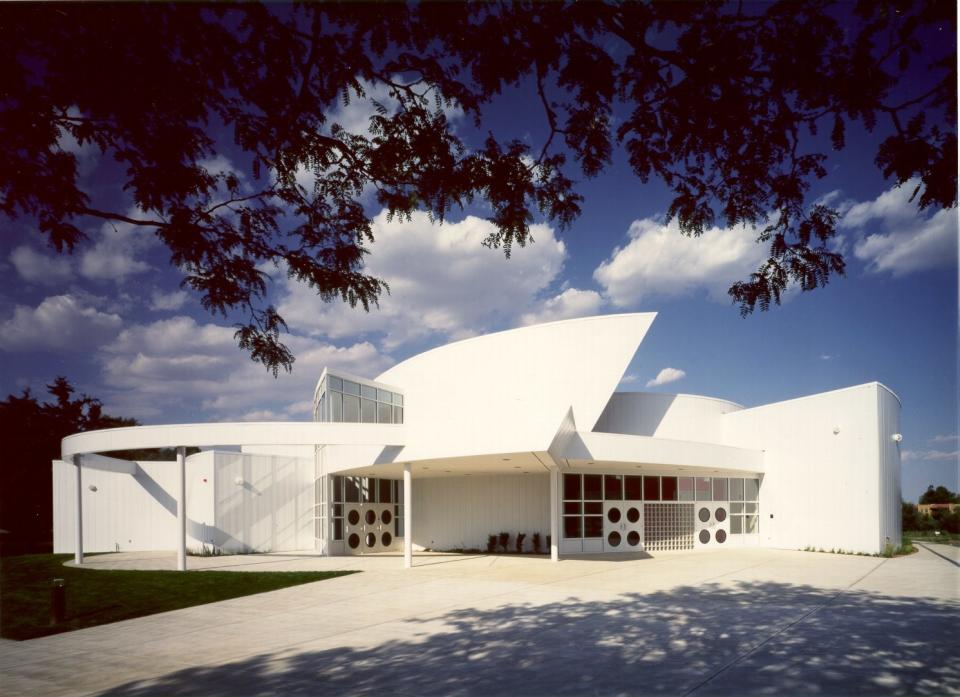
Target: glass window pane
(368,411)
(685,486)
(336,407)
(651,488)
(398,399)
(736,489)
(593,526)
(398,521)
(736,508)
(338,489)
(571,527)
(613,487)
(352,489)
(335,383)
(384,413)
(571,487)
(398,415)
(749,508)
(368,489)
(338,528)
(720,489)
(321,413)
(571,507)
(351,387)
(752,524)
(736,524)
(669,488)
(704,489)
(633,488)
(351,409)
(593,487)
(751,489)
(368,392)
(386,490)
(384,396)
(593,507)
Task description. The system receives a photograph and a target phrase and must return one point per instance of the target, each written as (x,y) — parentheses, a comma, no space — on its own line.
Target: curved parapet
(506,392)
(675,416)
(241,433)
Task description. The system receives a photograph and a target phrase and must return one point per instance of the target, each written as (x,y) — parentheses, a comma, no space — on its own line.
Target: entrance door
(623,526)
(369,528)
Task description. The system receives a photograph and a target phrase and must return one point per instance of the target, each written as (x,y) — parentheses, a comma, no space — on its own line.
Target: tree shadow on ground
(742,638)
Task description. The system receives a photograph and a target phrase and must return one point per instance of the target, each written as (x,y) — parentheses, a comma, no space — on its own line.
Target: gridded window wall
(343,400)
(744,515)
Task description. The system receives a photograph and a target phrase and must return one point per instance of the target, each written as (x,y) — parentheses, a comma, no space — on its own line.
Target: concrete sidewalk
(747,621)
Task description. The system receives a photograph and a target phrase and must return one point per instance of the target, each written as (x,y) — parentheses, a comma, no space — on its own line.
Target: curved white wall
(675,416)
(510,391)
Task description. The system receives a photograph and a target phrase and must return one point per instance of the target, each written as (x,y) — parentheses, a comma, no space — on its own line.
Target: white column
(181,509)
(78,528)
(554,515)
(407,517)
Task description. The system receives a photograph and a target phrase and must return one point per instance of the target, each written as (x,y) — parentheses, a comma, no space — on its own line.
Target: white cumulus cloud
(660,261)
(59,323)
(572,302)
(115,254)
(168,301)
(33,266)
(665,376)
(896,237)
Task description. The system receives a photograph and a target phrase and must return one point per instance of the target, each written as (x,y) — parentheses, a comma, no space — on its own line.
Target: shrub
(504,540)
(491,544)
(537,543)
(520,538)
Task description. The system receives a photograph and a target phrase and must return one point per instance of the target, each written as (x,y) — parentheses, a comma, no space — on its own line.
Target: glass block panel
(751,489)
(335,383)
(571,508)
(351,409)
(386,490)
(736,489)
(651,488)
(572,527)
(593,487)
(685,489)
(336,407)
(736,524)
(571,487)
(613,487)
(633,488)
(384,396)
(593,526)
(368,411)
(668,488)
(593,507)
(704,489)
(668,526)
(352,489)
(384,413)
(398,399)
(720,489)
(752,524)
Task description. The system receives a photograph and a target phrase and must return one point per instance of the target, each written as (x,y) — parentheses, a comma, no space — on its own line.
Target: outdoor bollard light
(58,601)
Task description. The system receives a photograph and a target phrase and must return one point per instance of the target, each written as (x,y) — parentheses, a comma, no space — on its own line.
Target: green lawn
(944,538)
(98,597)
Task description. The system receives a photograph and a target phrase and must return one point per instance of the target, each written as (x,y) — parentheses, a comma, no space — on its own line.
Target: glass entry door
(623,526)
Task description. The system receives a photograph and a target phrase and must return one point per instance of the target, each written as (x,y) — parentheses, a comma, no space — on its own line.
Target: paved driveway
(733,622)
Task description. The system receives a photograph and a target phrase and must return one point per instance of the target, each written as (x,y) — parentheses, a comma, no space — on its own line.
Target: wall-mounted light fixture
(897,437)
(238,481)
(836,430)
(92,487)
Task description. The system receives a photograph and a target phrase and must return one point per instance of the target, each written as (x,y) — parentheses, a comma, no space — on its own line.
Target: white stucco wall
(461,512)
(824,489)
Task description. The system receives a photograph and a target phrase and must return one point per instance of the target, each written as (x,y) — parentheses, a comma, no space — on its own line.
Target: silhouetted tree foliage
(714,99)
(940,494)
(32,432)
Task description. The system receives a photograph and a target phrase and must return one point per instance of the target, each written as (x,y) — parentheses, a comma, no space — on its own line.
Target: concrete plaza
(736,621)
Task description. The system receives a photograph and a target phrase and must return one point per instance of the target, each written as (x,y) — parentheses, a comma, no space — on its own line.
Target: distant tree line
(942,519)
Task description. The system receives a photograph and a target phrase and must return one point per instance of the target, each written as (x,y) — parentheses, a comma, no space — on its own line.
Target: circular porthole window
(633,538)
(353,517)
(386,539)
(386,517)
(721,514)
(613,515)
(633,515)
(613,539)
(371,539)
(371,517)
(704,536)
(353,541)
(704,514)
(721,536)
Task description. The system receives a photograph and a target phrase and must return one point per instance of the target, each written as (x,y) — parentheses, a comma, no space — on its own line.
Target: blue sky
(112,318)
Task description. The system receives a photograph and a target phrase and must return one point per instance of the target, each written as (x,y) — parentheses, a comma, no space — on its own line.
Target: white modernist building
(520,431)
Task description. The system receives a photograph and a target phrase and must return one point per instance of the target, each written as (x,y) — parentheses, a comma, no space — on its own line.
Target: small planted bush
(492,544)
(520,538)
(504,541)
(537,543)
